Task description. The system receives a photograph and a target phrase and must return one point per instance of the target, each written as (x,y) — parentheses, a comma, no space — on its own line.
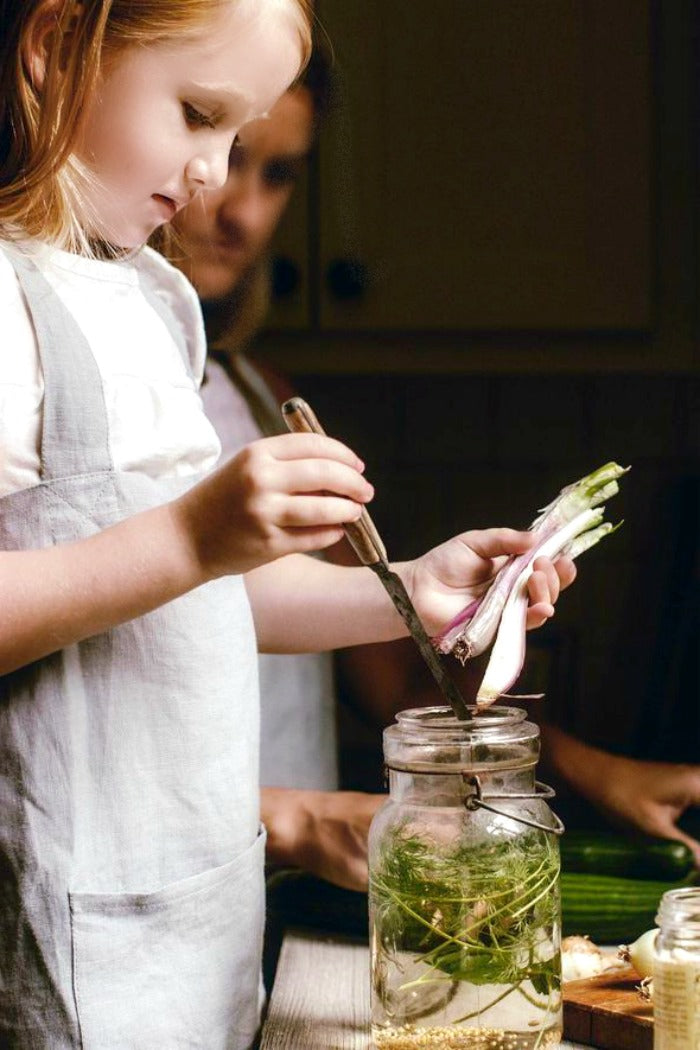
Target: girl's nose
(208,170)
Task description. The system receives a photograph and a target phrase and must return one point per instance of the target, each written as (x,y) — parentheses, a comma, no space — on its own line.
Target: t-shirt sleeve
(182,301)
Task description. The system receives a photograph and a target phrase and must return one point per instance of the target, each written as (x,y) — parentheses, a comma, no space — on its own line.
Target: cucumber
(610,909)
(295,898)
(607,853)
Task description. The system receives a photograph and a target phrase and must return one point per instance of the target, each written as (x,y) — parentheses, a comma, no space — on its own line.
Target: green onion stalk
(570,524)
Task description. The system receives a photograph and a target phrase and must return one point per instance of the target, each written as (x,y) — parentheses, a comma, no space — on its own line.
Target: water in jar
(465,941)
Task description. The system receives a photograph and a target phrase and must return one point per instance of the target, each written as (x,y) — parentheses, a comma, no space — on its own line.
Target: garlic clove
(581,958)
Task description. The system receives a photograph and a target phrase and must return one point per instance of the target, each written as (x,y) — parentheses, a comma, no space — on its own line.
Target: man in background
(224,238)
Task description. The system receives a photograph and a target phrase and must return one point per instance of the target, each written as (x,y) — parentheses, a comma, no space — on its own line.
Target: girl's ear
(42,34)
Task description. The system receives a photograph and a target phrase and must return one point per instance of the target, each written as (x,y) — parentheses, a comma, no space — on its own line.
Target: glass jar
(465,925)
(677,971)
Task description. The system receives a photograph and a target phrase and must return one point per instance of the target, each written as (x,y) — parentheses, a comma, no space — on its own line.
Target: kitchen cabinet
(502,186)
(487,166)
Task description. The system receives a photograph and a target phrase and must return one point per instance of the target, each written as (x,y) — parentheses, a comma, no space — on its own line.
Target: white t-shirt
(156,423)
(298,745)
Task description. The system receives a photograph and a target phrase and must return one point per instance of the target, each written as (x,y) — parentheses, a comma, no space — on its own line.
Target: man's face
(224,231)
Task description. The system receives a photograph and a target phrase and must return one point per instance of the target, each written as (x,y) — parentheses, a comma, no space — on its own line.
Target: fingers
(312,446)
(297,504)
(543,587)
(538,613)
(320,475)
(491,543)
(545,581)
(352,874)
(299,512)
(497,543)
(306,540)
(693,845)
(303,463)
(312,494)
(549,578)
(669,830)
(359,876)
(566,571)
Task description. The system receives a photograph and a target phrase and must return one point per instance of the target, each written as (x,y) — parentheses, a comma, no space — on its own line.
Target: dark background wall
(467,426)
(619,663)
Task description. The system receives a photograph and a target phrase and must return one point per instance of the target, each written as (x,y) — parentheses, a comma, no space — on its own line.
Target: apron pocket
(174,969)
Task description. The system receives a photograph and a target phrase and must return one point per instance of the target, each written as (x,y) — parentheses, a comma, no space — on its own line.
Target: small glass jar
(465,925)
(677,971)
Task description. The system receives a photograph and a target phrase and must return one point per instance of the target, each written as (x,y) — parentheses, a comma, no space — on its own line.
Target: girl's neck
(107,252)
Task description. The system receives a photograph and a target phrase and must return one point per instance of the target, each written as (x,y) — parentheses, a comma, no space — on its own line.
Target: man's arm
(648,796)
(322,832)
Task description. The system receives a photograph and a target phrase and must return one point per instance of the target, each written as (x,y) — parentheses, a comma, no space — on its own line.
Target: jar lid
(432,739)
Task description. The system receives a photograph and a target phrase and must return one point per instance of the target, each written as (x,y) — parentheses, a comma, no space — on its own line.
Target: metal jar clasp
(476,800)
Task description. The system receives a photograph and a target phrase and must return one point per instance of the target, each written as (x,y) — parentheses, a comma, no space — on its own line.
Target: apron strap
(75,431)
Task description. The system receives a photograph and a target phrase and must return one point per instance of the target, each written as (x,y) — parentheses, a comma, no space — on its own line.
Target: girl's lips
(167,204)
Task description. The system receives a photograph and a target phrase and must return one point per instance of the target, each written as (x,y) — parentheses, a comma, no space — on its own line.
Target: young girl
(131,911)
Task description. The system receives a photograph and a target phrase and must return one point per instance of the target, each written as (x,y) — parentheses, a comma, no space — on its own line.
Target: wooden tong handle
(362,534)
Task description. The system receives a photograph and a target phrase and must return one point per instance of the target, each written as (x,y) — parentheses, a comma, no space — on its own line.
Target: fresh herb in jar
(482,914)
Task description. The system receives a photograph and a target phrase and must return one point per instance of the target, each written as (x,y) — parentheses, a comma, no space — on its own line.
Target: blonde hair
(41,182)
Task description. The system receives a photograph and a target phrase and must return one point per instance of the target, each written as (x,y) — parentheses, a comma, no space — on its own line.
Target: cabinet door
(487,167)
(290,259)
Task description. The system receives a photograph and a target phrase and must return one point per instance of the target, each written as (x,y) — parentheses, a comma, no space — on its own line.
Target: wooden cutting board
(607,1012)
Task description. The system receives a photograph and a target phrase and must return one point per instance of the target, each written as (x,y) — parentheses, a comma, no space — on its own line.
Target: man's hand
(652,796)
(323,832)
(648,796)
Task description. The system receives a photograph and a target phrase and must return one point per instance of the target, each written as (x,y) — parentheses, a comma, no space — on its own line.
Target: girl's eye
(195,118)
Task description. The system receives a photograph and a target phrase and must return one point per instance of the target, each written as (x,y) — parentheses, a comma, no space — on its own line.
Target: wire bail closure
(475,801)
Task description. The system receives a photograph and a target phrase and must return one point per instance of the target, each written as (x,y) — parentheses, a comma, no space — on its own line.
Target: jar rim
(443,718)
(434,739)
(680,909)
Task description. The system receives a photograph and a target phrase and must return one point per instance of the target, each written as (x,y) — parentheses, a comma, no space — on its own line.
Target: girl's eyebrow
(219,92)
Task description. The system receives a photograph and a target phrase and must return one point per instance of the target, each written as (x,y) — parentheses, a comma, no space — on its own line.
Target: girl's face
(161,125)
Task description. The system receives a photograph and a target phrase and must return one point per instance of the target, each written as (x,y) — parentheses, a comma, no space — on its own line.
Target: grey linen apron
(131,861)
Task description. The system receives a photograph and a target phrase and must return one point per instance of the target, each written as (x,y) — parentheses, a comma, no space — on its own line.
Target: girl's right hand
(277,496)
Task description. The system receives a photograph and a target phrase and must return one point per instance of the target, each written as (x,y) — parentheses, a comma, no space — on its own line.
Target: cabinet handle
(285,277)
(347,279)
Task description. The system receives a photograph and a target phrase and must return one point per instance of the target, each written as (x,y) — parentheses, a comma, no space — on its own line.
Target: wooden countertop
(320,998)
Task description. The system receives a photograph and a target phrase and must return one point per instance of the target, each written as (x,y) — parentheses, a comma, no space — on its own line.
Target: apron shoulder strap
(75,431)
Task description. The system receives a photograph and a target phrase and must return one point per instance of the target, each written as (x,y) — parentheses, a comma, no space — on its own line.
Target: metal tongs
(369,548)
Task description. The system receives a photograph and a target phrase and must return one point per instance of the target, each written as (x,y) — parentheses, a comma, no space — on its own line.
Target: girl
(132,908)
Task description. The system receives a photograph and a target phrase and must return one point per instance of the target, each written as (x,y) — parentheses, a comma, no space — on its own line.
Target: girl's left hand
(443,581)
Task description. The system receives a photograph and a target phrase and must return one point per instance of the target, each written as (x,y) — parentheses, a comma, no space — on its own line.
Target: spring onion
(640,953)
(570,524)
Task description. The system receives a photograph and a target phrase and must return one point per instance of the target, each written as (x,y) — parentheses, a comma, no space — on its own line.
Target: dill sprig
(478,913)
